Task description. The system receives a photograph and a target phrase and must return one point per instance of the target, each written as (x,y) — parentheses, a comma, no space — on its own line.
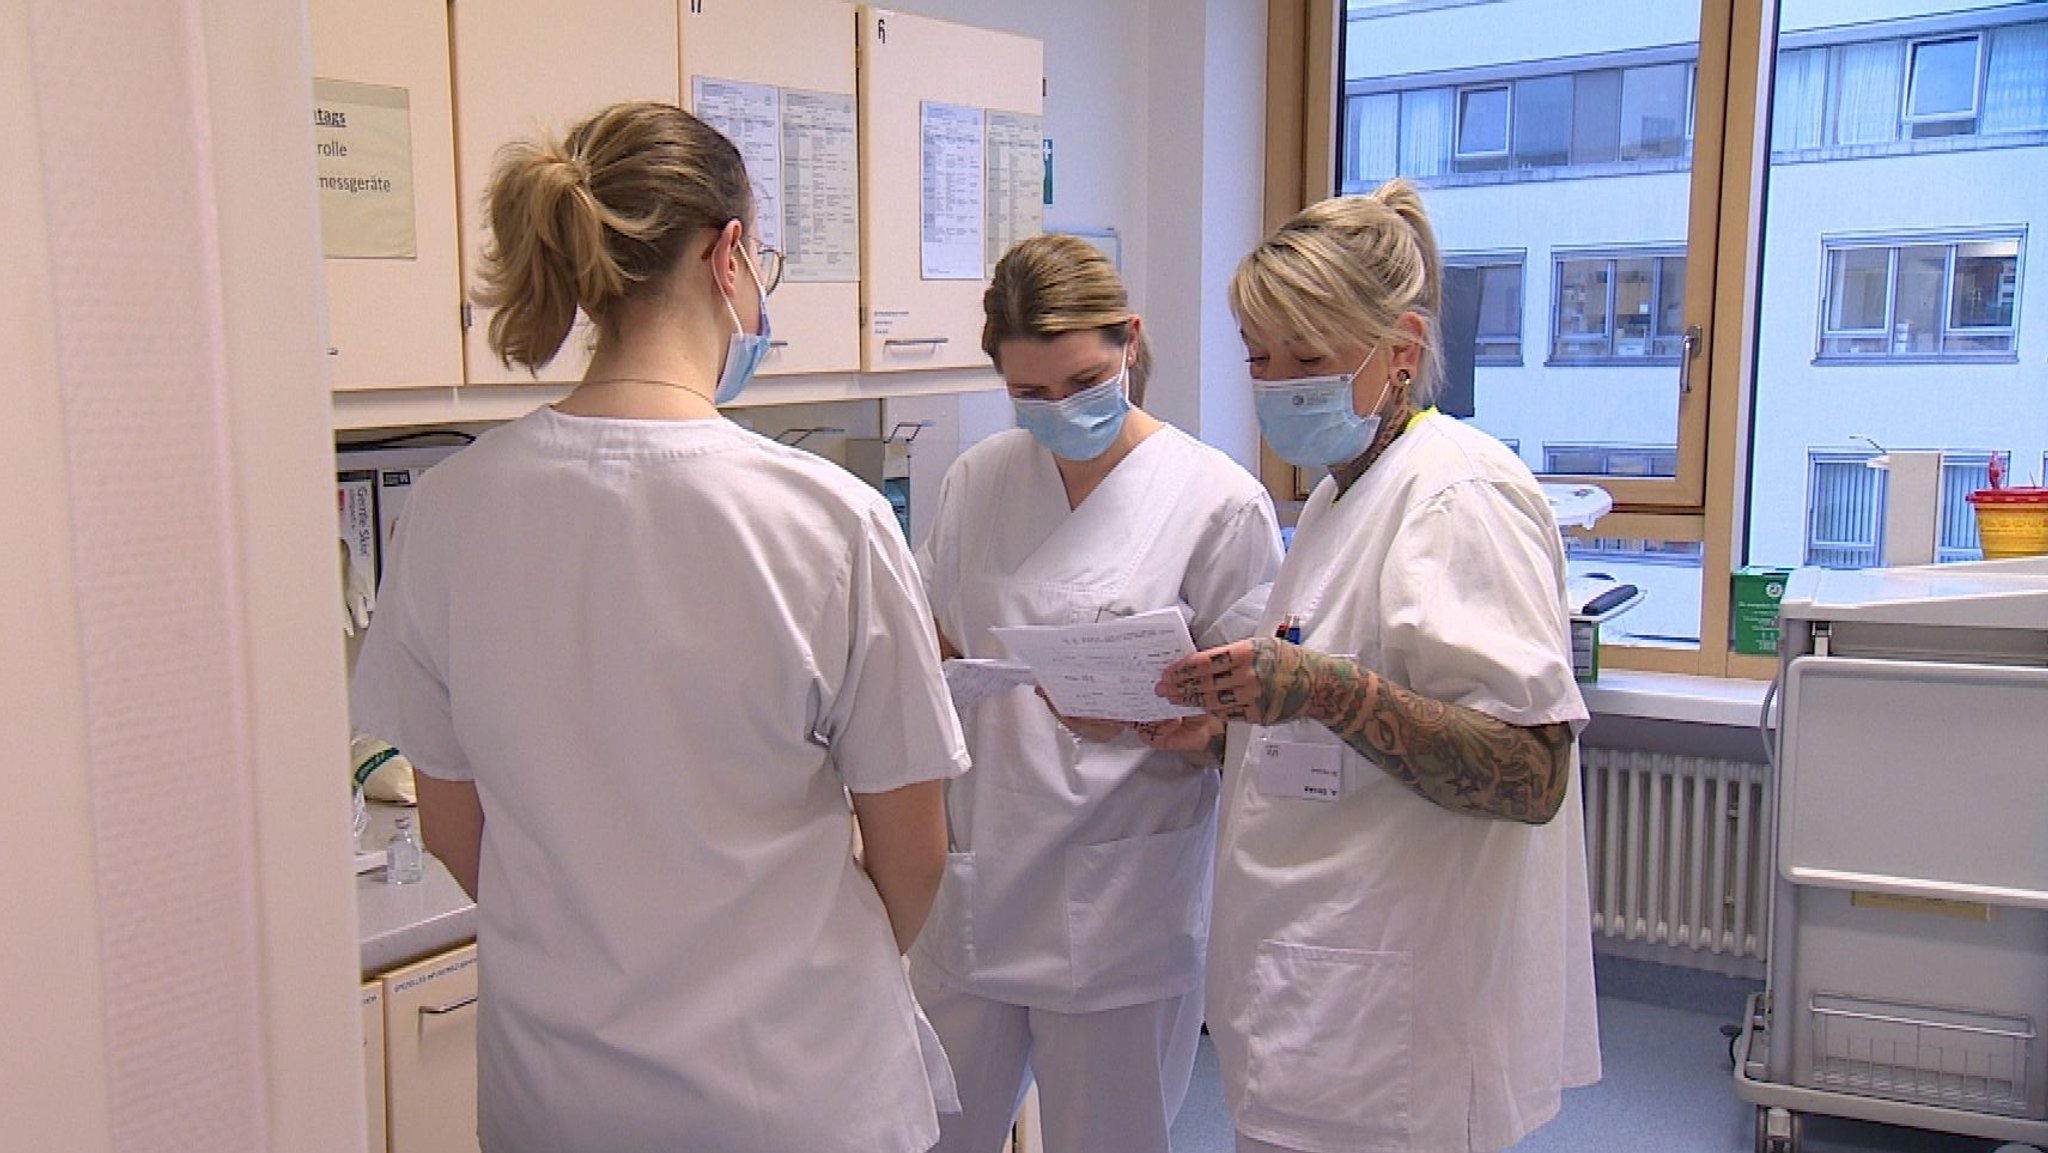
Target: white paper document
(972,681)
(1107,670)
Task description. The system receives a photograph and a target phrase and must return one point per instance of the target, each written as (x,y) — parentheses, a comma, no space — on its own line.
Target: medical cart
(1907,978)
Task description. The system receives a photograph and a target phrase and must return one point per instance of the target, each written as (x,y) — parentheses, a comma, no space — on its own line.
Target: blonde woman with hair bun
(1066,945)
(1401,956)
(644,661)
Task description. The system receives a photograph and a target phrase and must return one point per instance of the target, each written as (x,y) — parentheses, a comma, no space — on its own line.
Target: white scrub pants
(1108,1080)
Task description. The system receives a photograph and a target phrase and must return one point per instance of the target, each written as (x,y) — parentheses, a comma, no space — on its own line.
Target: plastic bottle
(405,862)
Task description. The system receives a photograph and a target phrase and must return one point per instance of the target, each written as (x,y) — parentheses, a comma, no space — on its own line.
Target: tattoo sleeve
(1458,757)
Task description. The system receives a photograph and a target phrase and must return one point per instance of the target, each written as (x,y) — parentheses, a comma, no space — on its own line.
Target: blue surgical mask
(1310,421)
(1081,426)
(744,351)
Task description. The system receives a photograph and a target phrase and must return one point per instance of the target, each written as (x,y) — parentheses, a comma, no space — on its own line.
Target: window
(1543,122)
(1890,93)
(1611,459)
(1927,299)
(1963,472)
(1844,508)
(1941,85)
(1906,153)
(1618,309)
(1497,339)
(1483,115)
(1653,111)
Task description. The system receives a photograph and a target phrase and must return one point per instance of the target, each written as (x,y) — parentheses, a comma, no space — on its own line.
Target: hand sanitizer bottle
(406,858)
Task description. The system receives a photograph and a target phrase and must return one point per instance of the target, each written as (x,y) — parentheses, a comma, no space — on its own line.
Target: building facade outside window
(1499,337)
(1618,308)
(1907,150)
(1846,500)
(1921,298)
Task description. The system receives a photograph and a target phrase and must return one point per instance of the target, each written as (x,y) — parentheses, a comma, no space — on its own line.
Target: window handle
(1688,349)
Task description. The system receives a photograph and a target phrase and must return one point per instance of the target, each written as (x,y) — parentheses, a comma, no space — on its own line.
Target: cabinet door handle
(917,342)
(450,1007)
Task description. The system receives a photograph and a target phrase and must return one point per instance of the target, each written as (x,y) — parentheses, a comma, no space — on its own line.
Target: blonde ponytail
(1347,269)
(598,218)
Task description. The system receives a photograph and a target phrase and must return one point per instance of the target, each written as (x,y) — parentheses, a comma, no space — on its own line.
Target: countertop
(397,924)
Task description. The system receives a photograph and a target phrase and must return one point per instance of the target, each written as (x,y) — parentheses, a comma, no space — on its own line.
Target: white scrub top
(626,634)
(1385,974)
(1080,879)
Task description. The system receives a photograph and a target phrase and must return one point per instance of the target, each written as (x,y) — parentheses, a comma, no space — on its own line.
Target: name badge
(1304,772)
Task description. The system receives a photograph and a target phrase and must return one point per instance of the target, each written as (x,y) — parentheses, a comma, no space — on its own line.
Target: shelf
(490,403)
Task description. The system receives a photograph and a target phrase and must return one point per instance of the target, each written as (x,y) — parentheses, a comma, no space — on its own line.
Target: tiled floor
(1667,1086)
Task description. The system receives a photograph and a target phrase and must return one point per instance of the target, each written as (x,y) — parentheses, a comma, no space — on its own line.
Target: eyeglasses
(770,262)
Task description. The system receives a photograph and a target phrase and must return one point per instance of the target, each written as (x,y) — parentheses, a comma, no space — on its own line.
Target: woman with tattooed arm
(1400,957)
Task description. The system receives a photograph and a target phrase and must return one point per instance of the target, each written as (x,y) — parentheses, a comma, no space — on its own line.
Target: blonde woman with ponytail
(1401,955)
(641,658)
(1067,942)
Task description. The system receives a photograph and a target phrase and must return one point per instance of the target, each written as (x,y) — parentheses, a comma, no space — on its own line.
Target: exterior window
(1942,85)
(1498,338)
(1611,459)
(1846,504)
(1543,122)
(1483,123)
(1844,508)
(1923,300)
(1962,473)
(1653,111)
(1596,117)
(1619,309)
(1670,552)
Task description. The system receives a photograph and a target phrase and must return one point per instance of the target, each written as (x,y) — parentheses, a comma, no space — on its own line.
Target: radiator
(1678,857)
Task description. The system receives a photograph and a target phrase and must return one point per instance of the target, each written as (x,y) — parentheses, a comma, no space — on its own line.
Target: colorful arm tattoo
(1458,757)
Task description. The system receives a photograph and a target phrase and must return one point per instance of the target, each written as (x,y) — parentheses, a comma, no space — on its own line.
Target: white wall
(1156,110)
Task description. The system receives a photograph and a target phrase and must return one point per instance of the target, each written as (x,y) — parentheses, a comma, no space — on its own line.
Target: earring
(1402,377)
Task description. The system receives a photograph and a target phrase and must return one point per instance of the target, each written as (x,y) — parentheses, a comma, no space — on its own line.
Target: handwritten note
(1106,670)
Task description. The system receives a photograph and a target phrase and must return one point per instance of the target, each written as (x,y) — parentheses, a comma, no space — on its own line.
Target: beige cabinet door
(525,67)
(777,77)
(384,133)
(951,174)
(373,1061)
(430,1054)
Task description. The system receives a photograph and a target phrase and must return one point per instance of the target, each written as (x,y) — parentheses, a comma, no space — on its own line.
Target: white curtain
(1799,100)
(1426,119)
(1375,140)
(2016,83)
(1867,91)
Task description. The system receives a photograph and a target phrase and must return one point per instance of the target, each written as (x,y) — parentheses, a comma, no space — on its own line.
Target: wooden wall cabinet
(526,68)
(952,173)
(393,321)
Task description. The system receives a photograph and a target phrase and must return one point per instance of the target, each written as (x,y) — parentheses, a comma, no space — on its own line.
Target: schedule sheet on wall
(1016,181)
(750,115)
(950,191)
(820,188)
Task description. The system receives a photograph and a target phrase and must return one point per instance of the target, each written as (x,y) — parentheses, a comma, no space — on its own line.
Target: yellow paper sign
(362,137)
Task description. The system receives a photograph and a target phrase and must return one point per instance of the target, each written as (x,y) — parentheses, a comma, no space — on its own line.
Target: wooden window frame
(1730,126)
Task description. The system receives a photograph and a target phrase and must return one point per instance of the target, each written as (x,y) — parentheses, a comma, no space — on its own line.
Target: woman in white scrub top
(1068,936)
(1401,957)
(641,658)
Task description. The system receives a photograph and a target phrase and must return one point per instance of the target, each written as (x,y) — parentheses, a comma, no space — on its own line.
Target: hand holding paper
(1105,670)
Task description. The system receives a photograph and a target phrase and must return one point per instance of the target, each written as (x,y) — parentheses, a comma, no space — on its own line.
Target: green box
(1757,593)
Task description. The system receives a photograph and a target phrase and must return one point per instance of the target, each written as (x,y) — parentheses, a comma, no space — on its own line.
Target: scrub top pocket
(1328,1047)
(1157,955)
